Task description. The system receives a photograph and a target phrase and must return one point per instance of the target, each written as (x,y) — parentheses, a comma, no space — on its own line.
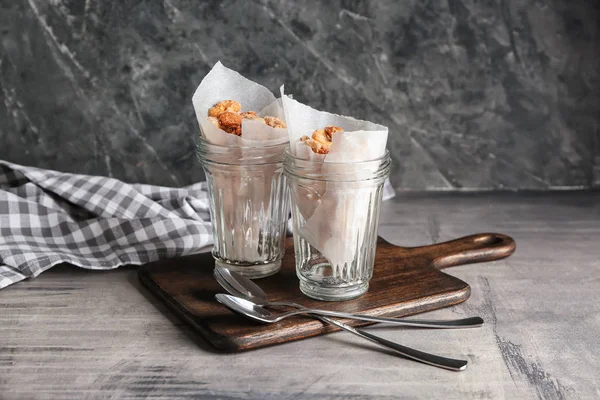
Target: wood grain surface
(405,281)
(78,334)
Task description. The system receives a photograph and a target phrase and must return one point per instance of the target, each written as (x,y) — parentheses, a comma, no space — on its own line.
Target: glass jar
(249,206)
(335,212)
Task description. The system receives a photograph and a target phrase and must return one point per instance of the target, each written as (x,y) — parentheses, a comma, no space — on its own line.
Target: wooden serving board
(405,281)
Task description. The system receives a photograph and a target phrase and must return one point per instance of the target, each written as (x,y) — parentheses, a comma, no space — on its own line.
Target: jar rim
(249,156)
(205,142)
(385,156)
(368,170)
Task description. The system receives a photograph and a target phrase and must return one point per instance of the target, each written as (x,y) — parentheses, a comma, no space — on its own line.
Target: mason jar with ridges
(248,205)
(335,211)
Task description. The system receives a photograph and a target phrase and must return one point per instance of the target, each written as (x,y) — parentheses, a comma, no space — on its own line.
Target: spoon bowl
(246,308)
(240,286)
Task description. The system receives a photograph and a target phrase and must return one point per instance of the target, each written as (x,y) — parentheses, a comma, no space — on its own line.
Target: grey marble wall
(477,94)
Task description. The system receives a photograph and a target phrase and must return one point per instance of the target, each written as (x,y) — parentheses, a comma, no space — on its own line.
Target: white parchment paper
(242,193)
(222,83)
(335,214)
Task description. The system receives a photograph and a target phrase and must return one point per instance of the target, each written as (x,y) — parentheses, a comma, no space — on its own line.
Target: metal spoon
(240,286)
(426,358)
(258,313)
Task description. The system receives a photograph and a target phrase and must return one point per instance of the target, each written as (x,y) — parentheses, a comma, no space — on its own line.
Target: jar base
(333,293)
(253,271)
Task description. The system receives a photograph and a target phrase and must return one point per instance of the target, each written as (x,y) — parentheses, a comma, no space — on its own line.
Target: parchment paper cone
(335,214)
(240,187)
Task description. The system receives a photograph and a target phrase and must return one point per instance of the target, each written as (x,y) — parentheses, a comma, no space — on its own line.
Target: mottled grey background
(477,94)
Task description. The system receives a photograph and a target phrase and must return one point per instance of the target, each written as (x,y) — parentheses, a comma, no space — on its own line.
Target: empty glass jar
(249,206)
(335,211)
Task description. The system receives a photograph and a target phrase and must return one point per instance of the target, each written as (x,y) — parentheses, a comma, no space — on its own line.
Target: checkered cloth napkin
(49,217)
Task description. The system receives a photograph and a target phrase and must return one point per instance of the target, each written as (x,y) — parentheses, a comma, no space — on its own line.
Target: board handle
(480,247)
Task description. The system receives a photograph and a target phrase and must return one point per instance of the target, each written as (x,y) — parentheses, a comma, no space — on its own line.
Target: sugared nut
(224,106)
(249,115)
(325,136)
(252,115)
(316,146)
(275,122)
(231,123)
(321,139)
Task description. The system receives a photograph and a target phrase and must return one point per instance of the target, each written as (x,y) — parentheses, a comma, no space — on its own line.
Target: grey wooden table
(77,334)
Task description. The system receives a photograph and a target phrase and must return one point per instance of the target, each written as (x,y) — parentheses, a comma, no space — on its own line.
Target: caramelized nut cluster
(226,115)
(321,139)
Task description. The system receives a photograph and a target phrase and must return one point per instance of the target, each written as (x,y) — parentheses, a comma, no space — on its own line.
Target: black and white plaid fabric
(50,217)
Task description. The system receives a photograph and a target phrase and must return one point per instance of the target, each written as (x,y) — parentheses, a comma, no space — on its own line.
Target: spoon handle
(472,322)
(417,355)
